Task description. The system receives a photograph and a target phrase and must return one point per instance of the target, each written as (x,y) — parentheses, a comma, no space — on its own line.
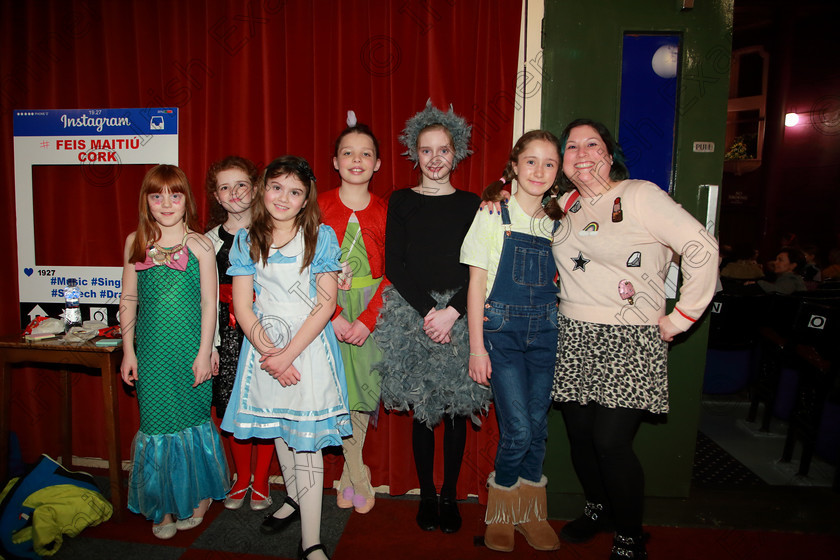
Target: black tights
(454,442)
(601,442)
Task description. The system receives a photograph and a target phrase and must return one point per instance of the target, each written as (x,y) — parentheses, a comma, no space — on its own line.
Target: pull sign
(704,147)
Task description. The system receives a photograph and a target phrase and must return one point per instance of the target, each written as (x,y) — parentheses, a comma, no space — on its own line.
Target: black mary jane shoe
(450,518)
(304,554)
(272,525)
(427,514)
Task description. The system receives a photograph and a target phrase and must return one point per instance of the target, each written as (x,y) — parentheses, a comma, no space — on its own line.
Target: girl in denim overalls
(512,314)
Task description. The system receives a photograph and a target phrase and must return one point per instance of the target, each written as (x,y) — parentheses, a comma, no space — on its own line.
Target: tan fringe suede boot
(532,516)
(502,512)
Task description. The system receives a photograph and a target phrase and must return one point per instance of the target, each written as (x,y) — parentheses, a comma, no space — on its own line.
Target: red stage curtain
(260,78)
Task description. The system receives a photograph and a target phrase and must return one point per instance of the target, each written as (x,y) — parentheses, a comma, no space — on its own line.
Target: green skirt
(363,383)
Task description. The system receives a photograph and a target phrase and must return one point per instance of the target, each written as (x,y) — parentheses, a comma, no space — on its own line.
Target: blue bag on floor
(37,510)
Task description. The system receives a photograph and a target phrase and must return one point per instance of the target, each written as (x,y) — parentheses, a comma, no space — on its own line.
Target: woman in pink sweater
(613,250)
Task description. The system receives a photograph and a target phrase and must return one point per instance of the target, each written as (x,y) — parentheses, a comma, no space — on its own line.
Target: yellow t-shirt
(482,246)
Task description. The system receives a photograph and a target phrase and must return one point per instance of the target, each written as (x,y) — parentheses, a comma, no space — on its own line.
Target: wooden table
(15,351)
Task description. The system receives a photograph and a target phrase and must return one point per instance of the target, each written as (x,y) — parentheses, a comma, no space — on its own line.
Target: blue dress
(314,413)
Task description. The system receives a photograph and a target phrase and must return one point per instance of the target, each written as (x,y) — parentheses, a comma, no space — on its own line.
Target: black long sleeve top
(423,238)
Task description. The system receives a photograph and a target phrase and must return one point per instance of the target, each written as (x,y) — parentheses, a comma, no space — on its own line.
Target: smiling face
(587,161)
(167,207)
(536,168)
(356,159)
(234,190)
(284,197)
(435,154)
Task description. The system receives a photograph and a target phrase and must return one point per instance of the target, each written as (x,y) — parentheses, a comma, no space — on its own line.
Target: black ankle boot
(450,518)
(584,528)
(629,548)
(427,514)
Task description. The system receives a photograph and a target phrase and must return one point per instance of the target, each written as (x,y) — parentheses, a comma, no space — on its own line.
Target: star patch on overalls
(580,262)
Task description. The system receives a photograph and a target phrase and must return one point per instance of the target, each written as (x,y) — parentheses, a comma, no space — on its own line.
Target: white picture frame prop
(86,137)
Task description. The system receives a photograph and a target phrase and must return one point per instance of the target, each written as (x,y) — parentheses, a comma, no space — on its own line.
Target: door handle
(711,206)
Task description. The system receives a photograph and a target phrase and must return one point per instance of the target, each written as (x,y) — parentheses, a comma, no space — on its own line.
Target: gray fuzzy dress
(429,378)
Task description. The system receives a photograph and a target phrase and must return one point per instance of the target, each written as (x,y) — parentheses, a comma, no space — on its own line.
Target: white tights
(303,474)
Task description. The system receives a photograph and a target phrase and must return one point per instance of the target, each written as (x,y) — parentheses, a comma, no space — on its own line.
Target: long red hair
(160,178)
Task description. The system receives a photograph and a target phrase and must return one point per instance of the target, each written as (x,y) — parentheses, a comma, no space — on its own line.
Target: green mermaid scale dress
(178,459)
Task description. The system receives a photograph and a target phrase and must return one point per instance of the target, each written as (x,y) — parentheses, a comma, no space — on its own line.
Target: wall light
(664,61)
(791,119)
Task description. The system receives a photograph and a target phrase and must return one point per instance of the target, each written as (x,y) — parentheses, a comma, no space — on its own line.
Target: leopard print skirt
(613,365)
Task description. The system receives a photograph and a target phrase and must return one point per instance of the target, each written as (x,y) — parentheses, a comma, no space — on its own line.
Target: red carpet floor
(389,531)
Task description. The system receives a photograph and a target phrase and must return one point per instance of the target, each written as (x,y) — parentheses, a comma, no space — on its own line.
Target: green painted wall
(581,78)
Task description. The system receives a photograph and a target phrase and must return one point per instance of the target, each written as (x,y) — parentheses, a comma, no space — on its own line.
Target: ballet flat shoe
(191,522)
(262,503)
(234,500)
(344,498)
(362,504)
(188,523)
(164,531)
